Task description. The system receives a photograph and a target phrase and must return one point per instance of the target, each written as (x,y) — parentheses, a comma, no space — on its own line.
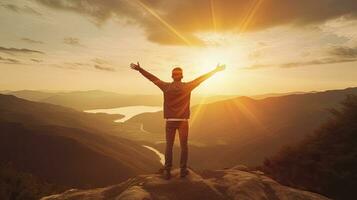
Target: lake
(128,111)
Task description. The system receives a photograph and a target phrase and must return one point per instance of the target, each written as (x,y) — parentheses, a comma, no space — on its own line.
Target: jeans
(171,127)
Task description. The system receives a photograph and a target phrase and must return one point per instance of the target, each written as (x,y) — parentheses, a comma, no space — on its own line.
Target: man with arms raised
(177,96)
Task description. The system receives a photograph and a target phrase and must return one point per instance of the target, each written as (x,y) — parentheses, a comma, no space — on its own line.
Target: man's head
(177,74)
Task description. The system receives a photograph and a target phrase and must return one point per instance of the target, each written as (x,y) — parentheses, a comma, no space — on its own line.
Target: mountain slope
(227,184)
(14,109)
(67,147)
(325,162)
(244,130)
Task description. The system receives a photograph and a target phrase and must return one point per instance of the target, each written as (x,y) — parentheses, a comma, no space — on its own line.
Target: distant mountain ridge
(244,130)
(67,147)
(92,99)
(97,99)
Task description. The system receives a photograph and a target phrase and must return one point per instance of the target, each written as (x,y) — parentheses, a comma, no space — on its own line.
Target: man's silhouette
(176,111)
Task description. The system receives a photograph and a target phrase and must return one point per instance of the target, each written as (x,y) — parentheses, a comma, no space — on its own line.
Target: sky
(268,46)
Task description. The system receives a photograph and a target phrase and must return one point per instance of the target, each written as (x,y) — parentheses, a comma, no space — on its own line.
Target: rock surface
(229,184)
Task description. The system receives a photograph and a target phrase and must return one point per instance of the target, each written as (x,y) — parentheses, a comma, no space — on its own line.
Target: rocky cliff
(229,184)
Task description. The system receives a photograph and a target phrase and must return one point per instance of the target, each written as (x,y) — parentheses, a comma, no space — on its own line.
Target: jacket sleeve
(161,84)
(196,82)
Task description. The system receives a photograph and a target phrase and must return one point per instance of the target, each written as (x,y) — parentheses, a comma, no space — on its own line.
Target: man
(176,111)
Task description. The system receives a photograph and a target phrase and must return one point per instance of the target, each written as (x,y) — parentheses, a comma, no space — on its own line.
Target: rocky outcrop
(229,184)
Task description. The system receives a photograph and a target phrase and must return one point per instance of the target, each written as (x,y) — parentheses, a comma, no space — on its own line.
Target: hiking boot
(184,172)
(166,174)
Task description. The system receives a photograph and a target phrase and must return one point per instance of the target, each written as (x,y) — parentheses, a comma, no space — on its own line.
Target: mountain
(4,91)
(32,95)
(84,100)
(97,99)
(66,147)
(244,130)
(93,99)
(325,162)
(263,96)
(229,184)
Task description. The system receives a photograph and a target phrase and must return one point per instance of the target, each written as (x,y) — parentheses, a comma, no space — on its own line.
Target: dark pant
(171,127)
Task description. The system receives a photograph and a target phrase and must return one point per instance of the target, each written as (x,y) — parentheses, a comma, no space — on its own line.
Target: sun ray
(250,15)
(198,109)
(249,114)
(163,22)
(213,15)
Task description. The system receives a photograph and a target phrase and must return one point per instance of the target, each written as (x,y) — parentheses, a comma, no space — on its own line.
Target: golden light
(206,59)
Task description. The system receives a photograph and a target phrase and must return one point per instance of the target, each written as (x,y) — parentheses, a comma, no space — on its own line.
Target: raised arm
(196,82)
(148,75)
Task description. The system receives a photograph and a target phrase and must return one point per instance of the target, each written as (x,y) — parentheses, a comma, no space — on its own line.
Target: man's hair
(177,73)
(177,70)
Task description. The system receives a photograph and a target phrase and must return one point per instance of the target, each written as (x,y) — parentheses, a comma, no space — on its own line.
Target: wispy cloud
(72,41)
(21,9)
(12,50)
(36,60)
(344,52)
(9,60)
(322,61)
(104,68)
(327,55)
(31,41)
(102,64)
(99,64)
(73,65)
(99,61)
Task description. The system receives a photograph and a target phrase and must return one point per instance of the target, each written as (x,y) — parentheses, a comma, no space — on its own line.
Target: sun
(208,58)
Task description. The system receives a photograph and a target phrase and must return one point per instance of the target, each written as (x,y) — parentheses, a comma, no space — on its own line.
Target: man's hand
(135,66)
(220,67)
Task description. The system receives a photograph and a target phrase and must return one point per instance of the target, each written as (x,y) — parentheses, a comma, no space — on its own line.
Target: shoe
(166,174)
(184,172)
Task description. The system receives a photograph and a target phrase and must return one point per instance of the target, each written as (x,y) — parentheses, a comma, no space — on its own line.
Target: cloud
(322,61)
(31,41)
(22,9)
(344,52)
(9,60)
(86,65)
(101,64)
(329,55)
(72,65)
(104,68)
(177,22)
(76,64)
(72,41)
(17,50)
(99,61)
(99,10)
(36,60)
